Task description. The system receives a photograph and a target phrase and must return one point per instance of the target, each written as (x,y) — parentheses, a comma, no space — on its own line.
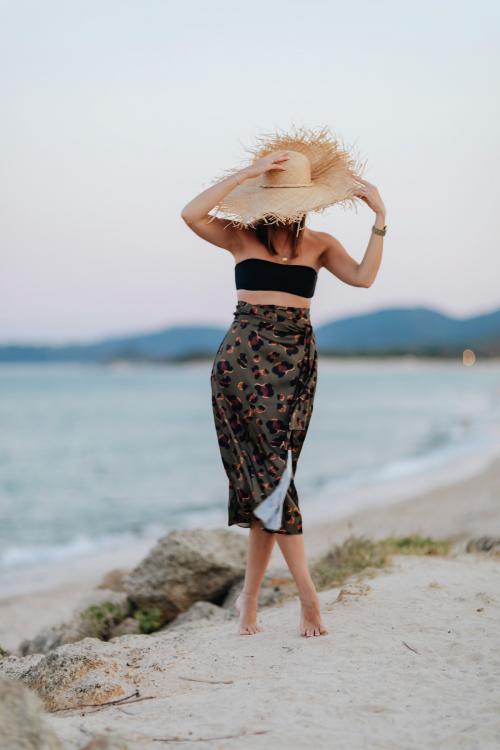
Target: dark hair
(264,229)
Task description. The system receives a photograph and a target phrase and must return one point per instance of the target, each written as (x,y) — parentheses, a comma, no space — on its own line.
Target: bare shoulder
(321,244)
(333,257)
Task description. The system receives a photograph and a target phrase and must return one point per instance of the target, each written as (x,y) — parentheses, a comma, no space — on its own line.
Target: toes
(250,629)
(310,630)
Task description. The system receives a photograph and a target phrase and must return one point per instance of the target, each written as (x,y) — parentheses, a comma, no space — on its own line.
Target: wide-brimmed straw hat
(320,171)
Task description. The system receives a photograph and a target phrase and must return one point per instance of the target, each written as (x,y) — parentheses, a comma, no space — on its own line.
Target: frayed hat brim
(334,177)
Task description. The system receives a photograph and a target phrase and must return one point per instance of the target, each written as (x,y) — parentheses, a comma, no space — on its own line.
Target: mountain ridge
(387,330)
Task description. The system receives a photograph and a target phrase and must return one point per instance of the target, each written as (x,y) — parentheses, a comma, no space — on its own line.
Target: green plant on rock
(99,619)
(149,618)
(3,652)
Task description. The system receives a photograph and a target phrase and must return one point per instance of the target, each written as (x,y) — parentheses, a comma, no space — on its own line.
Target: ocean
(93,456)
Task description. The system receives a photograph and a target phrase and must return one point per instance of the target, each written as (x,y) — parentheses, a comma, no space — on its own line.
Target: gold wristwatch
(382,232)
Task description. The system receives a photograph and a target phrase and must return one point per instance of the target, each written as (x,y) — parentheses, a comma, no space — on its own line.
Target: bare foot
(310,616)
(246,606)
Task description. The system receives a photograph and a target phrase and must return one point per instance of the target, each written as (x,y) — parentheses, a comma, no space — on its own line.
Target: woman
(264,374)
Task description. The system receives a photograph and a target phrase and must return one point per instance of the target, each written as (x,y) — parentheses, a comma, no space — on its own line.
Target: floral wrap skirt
(263,382)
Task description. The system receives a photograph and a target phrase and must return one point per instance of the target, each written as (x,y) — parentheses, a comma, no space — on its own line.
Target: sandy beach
(411,658)
(410,663)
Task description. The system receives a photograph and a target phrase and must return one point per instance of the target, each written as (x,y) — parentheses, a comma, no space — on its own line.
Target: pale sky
(116,113)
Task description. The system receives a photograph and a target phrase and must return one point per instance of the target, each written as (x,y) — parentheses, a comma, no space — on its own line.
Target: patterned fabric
(263,382)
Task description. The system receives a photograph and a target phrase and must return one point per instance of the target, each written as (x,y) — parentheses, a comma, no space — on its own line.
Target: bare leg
(260,547)
(292,547)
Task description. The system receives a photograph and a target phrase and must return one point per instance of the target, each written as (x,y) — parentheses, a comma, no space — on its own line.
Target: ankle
(308,595)
(249,594)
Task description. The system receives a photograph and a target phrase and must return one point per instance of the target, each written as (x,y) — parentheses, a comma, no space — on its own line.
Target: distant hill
(176,342)
(394,330)
(416,330)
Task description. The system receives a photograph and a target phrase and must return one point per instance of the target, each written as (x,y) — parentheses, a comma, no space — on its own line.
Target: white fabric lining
(270,510)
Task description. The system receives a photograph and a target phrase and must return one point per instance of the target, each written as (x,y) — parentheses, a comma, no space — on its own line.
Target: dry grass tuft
(359,553)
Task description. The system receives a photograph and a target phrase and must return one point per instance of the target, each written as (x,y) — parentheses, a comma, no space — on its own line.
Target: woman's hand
(371,196)
(266,164)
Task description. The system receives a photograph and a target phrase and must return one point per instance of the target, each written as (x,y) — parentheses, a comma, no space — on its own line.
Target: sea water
(94,456)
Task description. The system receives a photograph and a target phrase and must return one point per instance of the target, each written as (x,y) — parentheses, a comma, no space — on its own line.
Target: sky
(115,114)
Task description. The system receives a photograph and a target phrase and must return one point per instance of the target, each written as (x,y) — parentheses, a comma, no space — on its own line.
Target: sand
(412,662)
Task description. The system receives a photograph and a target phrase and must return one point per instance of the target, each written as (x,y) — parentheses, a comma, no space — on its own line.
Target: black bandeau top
(258,275)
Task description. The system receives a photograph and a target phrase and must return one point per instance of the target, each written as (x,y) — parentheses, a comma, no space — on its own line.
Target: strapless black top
(258,275)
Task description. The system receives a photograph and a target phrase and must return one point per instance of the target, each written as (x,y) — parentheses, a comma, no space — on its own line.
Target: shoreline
(457,506)
(482,360)
(348,503)
(29,562)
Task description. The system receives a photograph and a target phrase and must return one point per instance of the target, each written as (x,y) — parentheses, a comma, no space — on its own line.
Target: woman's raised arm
(219,231)
(337,260)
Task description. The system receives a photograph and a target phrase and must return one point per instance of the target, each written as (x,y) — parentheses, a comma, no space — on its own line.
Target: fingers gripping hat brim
(334,177)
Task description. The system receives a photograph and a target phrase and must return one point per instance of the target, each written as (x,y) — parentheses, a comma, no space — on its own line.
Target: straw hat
(319,172)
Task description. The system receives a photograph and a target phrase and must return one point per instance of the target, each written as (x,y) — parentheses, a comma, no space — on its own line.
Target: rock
(17,668)
(129,626)
(113,580)
(46,639)
(488,544)
(353,589)
(23,725)
(96,617)
(199,615)
(76,674)
(185,567)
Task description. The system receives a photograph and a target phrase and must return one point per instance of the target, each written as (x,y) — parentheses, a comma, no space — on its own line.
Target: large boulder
(90,672)
(185,567)
(23,725)
(199,615)
(96,617)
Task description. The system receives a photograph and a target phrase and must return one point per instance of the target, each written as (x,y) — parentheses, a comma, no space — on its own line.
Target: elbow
(187,214)
(190,218)
(186,217)
(361,279)
(363,282)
